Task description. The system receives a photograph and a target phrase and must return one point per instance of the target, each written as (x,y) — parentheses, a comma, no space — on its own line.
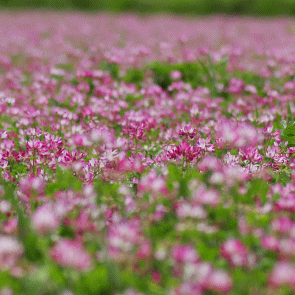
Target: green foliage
(107,191)
(161,72)
(201,73)
(179,180)
(164,228)
(251,78)
(257,188)
(110,67)
(17,169)
(67,67)
(65,180)
(6,280)
(134,76)
(288,132)
(66,232)
(223,217)
(191,73)
(201,7)
(103,280)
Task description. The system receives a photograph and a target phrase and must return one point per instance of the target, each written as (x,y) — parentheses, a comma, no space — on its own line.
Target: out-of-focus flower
(45,220)
(10,251)
(71,253)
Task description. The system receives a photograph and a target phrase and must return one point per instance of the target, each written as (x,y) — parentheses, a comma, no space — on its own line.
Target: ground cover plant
(139,160)
(187,7)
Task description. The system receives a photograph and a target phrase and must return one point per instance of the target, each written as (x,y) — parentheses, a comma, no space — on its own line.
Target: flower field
(146,155)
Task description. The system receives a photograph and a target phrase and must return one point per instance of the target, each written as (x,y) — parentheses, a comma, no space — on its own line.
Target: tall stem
(34,163)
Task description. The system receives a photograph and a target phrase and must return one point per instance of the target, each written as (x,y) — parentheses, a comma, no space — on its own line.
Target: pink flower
(184,209)
(287,247)
(45,220)
(188,131)
(282,274)
(219,281)
(282,224)
(184,150)
(184,254)
(235,252)
(206,196)
(152,183)
(188,288)
(156,277)
(10,227)
(37,146)
(10,252)
(236,134)
(210,163)
(71,253)
(81,140)
(251,88)
(32,185)
(236,86)
(144,250)
(270,242)
(175,75)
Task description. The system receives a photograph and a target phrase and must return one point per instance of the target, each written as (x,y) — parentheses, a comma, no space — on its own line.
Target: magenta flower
(31,186)
(36,146)
(235,252)
(184,254)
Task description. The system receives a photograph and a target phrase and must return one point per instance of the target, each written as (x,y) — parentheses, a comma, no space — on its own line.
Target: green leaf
(283,178)
(110,67)
(288,134)
(134,76)
(95,281)
(64,181)
(114,277)
(174,177)
(207,251)
(258,188)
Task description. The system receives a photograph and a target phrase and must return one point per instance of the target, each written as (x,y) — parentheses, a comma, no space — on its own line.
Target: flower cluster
(135,160)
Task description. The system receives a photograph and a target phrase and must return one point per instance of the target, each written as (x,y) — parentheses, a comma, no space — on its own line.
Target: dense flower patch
(143,161)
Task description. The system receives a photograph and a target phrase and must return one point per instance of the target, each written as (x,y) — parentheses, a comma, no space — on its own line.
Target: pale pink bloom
(282,225)
(152,183)
(282,274)
(71,253)
(184,209)
(145,250)
(243,226)
(10,252)
(45,220)
(31,185)
(206,196)
(184,254)
(235,252)
(5,206)
(210,163)
(175,75)
(251,88)
(219,281)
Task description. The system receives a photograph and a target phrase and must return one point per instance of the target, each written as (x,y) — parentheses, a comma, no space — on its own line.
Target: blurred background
(192,7)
